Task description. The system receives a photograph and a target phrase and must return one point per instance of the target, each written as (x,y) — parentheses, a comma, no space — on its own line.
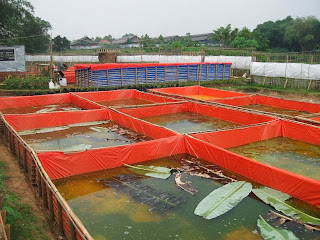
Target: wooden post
(216,73)
(264,80)
(7,229)
(136,76)
(50,206)
(165,73)
(44,193)
(188,73)
(156,73)
(121,73)
(108,80)
(25,168)
(51,68)
(72,230)
(177,67)
(224,68)
(59,211)
(310,81)
(207,77)
(146,73)
(197,78)
(38,176)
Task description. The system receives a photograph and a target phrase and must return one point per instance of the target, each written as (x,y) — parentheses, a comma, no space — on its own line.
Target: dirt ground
(19,185)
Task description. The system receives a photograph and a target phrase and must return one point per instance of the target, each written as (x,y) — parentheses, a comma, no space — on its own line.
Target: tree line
(19,26)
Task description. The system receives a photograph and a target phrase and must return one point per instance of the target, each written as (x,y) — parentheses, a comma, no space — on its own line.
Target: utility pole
(51,68)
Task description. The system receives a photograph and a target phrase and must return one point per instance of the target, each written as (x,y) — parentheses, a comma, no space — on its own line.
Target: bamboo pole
(156,74)
(310,80)
(177,68)
(165,73)
(146,73)
(223,70)
(216,72)
(121,73)
(187,73)
(108,80)
(136,76)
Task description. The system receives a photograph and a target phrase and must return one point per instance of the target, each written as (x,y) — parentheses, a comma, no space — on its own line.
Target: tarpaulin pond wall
(106,96)
(230,115)
(195,93)
(271,101)
(43,100)
(105,75)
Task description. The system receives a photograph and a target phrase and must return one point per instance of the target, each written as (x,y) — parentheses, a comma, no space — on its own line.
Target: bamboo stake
(310,81)
(25,167)
(187,73)
(224,68)
(39,183)
(146,73)
(286,82)
(216,72)
(156,73)
(165,73)
(121,73)
(177,73)
(108,80)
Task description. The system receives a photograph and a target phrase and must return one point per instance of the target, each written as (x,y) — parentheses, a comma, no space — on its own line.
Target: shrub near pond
(25,83)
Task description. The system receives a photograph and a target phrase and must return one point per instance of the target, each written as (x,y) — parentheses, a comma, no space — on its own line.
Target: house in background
(84,43)
(127,42)
(104,42)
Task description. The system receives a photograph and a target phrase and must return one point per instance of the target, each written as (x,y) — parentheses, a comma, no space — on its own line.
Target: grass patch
(23,223)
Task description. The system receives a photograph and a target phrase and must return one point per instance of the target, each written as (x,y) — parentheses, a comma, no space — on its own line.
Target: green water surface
(111,213)
(285,153)
(188,122)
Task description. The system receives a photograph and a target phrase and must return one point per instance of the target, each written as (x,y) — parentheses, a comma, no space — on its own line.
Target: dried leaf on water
(45,110)
(223,199)
(151,171)
(99,129)
(140,192)
(276,199)
(281,219)
(185,186)
(208,170)
(270,233)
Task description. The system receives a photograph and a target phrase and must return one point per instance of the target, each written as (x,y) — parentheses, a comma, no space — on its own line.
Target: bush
(26,83)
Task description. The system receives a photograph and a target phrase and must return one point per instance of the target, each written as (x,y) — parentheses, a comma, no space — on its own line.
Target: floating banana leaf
(151,171)
(42,130)
(270,233)
(223,199)
(274,198)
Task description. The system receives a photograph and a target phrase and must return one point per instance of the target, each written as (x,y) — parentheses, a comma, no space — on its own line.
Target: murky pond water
(119,204)
(201,97)
(42,109)
(285,153)
(84,137)
(125,102)
(272,109)
(187,122)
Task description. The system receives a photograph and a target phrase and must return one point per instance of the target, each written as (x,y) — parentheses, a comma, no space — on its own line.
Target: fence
(105,75)
(59,210)
(4,228)
(298,71)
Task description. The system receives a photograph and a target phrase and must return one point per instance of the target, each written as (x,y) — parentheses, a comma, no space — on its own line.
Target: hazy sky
(76,18)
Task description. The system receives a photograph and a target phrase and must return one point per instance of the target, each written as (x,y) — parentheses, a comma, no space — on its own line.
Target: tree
(223,35)
(128,35)
(18,25)
(60,44)
(108,37)
(147,42)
